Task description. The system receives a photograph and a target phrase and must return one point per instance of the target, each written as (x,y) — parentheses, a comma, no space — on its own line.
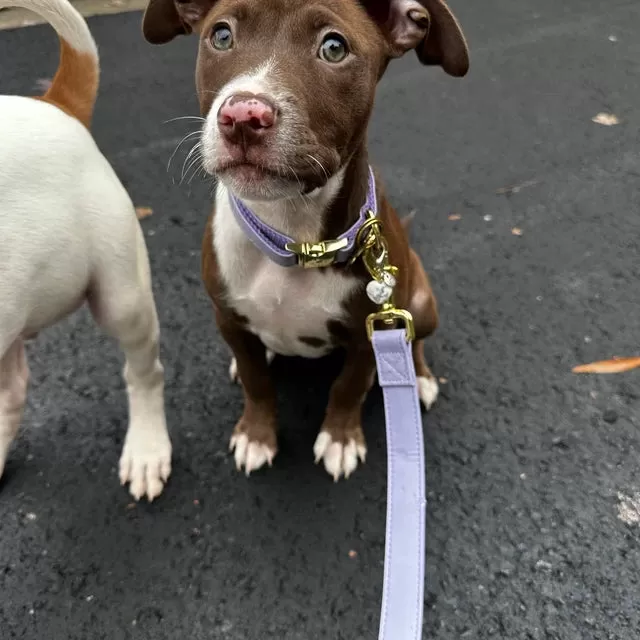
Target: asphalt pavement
(527,220)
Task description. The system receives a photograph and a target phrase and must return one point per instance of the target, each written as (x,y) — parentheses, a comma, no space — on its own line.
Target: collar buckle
(317,254)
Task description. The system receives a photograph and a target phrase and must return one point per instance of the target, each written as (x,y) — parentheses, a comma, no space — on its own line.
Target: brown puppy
(286,88)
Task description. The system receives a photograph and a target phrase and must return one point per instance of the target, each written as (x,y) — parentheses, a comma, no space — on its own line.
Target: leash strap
(403,589)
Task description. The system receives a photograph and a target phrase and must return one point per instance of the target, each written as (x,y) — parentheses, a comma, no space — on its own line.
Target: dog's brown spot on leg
(341,443)
(254,440)
(422,305)
(428,388)
(424,309)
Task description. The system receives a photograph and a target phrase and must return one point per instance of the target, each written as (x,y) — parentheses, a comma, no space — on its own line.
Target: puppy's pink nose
(246,115)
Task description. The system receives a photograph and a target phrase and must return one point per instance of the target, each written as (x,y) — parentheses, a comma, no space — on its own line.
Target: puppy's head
(287,86)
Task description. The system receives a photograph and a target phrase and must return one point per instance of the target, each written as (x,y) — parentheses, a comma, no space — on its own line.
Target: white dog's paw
(428,390)
(233,367)
(146,462)
(250,454)
(340,459)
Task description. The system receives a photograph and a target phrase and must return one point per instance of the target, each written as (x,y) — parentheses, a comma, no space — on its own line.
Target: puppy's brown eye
(334,48)
(221,37)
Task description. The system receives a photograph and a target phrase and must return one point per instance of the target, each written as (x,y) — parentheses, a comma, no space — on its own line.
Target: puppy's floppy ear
(165,19)
(428,26)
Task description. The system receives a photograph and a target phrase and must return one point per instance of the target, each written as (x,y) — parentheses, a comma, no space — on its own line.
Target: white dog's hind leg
(125,307)
(14,377)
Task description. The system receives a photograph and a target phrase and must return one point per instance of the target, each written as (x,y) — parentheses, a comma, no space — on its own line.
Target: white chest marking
(282,304)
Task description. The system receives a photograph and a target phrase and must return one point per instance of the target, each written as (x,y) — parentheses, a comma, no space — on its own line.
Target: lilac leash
(403,589)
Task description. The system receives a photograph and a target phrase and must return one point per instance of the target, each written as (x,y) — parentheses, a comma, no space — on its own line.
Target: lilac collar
(287,252)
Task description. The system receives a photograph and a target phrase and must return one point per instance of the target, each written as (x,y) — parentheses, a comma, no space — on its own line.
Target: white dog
(69,233)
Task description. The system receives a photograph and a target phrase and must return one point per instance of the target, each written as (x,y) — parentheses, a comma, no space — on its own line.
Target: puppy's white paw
(146,462)
(251,455)
(428,390)
(339,459)
(233,367)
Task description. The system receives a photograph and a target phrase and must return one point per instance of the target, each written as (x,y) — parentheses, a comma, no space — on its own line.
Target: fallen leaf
(629,508)
(516,231)
(607,119)
(442,380)
(353,554)
(455,216)
(517,187)
(143,212)
(615,365)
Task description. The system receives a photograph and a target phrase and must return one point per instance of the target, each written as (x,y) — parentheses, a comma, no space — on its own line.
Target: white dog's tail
(75,86)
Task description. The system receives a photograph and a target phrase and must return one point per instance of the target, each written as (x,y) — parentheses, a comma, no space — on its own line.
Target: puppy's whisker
(187,137)
(326,175)
(197,118)
(199,172)
(194,151)
(196,165)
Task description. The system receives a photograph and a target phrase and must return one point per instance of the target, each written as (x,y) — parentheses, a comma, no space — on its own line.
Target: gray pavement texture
(532,470)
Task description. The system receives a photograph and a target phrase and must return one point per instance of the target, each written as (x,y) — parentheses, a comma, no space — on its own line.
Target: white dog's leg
(14,376)
(126,309)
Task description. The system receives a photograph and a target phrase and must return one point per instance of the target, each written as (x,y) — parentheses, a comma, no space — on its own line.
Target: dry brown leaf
(516,231)
(455,216)
(143,212)
(615,365)
(607,119)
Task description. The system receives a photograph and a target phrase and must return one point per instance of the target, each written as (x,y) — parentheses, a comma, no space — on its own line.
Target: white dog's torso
(60,220)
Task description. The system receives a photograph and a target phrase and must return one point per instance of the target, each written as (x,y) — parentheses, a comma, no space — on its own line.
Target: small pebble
(610,416)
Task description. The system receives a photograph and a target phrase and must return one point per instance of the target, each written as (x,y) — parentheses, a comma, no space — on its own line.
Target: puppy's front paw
(253,445)
(340,450)
(428,390)
(146,462)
